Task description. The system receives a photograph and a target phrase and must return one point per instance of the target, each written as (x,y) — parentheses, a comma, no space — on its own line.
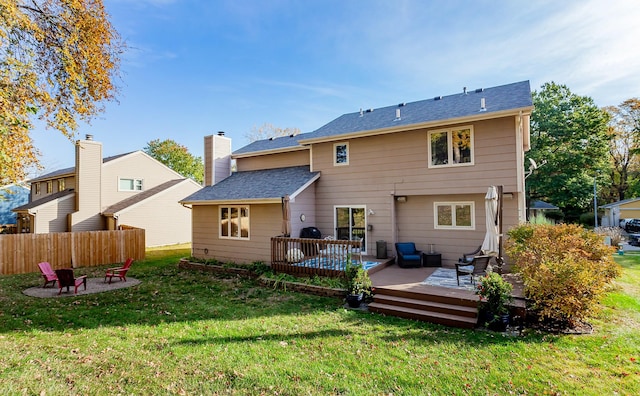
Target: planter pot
(354,300)
(499,323)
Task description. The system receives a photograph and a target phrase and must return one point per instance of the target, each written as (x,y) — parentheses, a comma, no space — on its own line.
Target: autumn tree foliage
(176,157)
(58,62)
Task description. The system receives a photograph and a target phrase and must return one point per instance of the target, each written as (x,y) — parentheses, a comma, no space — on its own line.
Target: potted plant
(495,296)
(357,283)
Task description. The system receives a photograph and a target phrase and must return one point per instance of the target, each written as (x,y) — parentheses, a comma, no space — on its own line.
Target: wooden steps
(434,305)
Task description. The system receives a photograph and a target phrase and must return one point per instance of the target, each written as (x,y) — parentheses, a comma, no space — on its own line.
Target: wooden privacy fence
(307,257)
(21,253)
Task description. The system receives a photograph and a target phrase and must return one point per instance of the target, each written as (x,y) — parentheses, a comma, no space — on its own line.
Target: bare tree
(266,131)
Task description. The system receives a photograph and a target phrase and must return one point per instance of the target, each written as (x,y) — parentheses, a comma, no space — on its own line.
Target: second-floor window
(49,187)
(36,189)
(451,147)
(60,184)
(341,154)
(130,184)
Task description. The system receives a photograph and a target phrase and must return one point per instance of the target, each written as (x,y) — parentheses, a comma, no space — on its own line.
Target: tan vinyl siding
(69,183)
(401,160)
(164,220)
(52,217)
(271,161)
(304,204)
(265,223)
(415,223)
(88,187)
(381,166)
(132,166)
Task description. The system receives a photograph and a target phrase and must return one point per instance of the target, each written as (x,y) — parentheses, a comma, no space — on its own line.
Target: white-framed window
(125,184)
(234,222)
(451,147)
(340,154)
(61,184)
(454,215)
(49,187)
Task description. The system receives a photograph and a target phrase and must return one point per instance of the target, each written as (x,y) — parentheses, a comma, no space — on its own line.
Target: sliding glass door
(351,223)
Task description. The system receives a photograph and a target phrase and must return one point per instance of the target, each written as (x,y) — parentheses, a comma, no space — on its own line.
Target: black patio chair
(477,266)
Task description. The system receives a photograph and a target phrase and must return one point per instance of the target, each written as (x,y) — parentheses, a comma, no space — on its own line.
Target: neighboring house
(11,196)
(616,212)
(410,172)
(539,207)
(131,189)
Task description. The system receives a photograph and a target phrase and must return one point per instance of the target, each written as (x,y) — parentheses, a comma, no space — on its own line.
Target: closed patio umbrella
(491,243)
(286,217)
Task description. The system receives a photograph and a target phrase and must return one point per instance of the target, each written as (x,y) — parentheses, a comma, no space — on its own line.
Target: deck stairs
(436,305)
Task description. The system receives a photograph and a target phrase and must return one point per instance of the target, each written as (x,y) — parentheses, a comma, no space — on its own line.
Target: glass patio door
(351,224)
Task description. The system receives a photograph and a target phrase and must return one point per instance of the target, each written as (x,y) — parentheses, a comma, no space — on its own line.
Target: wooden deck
(400,292)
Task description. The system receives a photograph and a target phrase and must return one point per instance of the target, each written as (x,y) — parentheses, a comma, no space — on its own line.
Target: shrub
(540,218)
(565,269)
(615,233)
(495,293)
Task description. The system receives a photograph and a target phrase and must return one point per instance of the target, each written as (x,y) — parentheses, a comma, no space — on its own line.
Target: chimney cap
(220,133)
(88,137)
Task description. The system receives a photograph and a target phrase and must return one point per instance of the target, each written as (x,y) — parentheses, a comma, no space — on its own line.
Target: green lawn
(189,333)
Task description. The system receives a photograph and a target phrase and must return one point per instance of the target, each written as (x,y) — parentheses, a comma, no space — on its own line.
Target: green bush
(565,269)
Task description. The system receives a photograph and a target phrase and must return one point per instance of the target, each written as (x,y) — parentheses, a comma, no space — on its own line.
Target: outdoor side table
(432,259)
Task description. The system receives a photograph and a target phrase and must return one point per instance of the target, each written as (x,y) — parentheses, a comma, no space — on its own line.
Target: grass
(182,332)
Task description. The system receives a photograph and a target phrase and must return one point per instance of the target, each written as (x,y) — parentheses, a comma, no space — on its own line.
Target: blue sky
(195,67)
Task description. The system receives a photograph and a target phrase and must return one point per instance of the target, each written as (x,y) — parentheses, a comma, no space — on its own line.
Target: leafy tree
(58,62)
(266,131)
(570,133)
(624,146)
(176,157)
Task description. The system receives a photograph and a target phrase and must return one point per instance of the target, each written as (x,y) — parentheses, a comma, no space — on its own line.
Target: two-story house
(409,172)
(131,189)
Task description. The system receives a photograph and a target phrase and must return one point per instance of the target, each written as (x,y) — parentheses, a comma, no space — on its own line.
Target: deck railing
(307,257)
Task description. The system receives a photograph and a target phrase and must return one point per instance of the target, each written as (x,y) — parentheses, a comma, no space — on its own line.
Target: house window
(36,189)
(451,147)
(60,184)
(234,222)
(454,215)
(130,184)
(49,187)
(341,154)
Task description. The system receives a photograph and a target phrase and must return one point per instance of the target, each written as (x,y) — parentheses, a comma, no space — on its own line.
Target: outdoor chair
(408,256)
(468,257)
(67,279)
(47,273)
(477,266)
(119,272)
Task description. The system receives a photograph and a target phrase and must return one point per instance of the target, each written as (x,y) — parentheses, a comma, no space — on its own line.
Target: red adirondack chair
(66,278)
(47,274)
(120,272)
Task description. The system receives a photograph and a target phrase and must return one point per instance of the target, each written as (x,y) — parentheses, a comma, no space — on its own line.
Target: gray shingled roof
(502,98)
(252,185)
(541,205)
(271,144)
(497,99)
(139,197)
(42,201)
(72,169)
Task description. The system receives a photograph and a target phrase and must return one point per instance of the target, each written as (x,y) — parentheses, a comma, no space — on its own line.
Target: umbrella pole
(499,259)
